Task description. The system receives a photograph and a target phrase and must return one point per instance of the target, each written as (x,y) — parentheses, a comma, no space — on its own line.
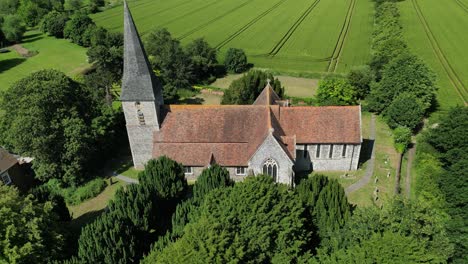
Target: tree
(44,194)
(75,29)
(28,230)
(58,126)
(167,56)
(166,177)
(9,7)
(419,225)
(72,5)
(334,91)
(31,12)
(449,136)
(210,179)
(116,243)
(13,28)
(94,5)
(360,78)
(203,58)
(449,139)
(256,221)
(54,23)
(401,139)
(405,110)
(326,204)
(247,88)
(235,60)
(404,74)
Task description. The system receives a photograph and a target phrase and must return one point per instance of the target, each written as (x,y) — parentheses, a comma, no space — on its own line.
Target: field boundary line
(150,3)
(338,50)
(248,25)
(190,32)
(191,12)
(454,79)
(462,5)
(292,29)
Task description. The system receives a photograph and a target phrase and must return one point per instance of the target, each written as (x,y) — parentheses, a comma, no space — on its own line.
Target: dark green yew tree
(211,178)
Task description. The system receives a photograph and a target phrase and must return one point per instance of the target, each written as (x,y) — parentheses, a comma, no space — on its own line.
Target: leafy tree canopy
(235,60)
(75,29)
(405,110)
(406,73)
(335,91)
(58,126)
(247,88)
(361,78)
(401,138)
(28,230)
(13,28)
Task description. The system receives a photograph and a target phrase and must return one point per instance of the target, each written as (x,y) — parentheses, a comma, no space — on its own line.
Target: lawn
(53,53)
(441,42)
(385,164)
(291,36)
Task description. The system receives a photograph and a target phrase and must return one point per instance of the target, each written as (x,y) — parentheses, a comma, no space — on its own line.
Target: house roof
(139,82)
(6,160)
(230,134)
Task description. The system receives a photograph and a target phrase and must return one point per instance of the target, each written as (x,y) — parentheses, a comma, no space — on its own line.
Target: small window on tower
(141,117)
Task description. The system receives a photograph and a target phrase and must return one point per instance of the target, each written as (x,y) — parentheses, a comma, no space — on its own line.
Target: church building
(267,137)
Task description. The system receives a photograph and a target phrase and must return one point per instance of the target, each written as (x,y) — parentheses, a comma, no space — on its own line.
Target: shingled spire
(139,82)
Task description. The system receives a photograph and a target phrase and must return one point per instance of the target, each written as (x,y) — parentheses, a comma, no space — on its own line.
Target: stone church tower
(141,95)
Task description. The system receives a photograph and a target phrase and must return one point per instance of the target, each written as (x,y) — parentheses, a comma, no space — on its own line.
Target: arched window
(270,167)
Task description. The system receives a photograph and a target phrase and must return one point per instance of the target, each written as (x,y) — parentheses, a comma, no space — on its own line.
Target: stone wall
(270,148)
(324,162)
(232,173)
(140,135)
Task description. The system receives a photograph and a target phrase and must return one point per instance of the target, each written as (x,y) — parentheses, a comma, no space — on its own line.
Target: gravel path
(411,153)
(370,166)
(126,179)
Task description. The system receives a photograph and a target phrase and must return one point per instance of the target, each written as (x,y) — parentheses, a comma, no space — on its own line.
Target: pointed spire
(139,82)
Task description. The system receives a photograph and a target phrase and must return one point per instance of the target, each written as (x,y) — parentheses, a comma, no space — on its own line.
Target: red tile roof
(196,134)
(322,124)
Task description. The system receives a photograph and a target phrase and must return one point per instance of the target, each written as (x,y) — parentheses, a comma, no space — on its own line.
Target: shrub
(89,190)
(406,110)
(76,28)
(334,91)
(236,60)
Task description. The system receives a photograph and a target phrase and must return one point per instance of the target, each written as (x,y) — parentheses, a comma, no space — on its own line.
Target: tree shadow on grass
(74,230)
(366,150)
(192,101)
(10,63)
(32,38)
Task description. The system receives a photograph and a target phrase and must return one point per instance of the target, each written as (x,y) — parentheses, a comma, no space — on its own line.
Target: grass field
(436,31)
(284,35)
(54,53)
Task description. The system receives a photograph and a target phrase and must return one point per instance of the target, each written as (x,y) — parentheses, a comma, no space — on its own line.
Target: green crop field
(436,31)
(301,36)
(53,53)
